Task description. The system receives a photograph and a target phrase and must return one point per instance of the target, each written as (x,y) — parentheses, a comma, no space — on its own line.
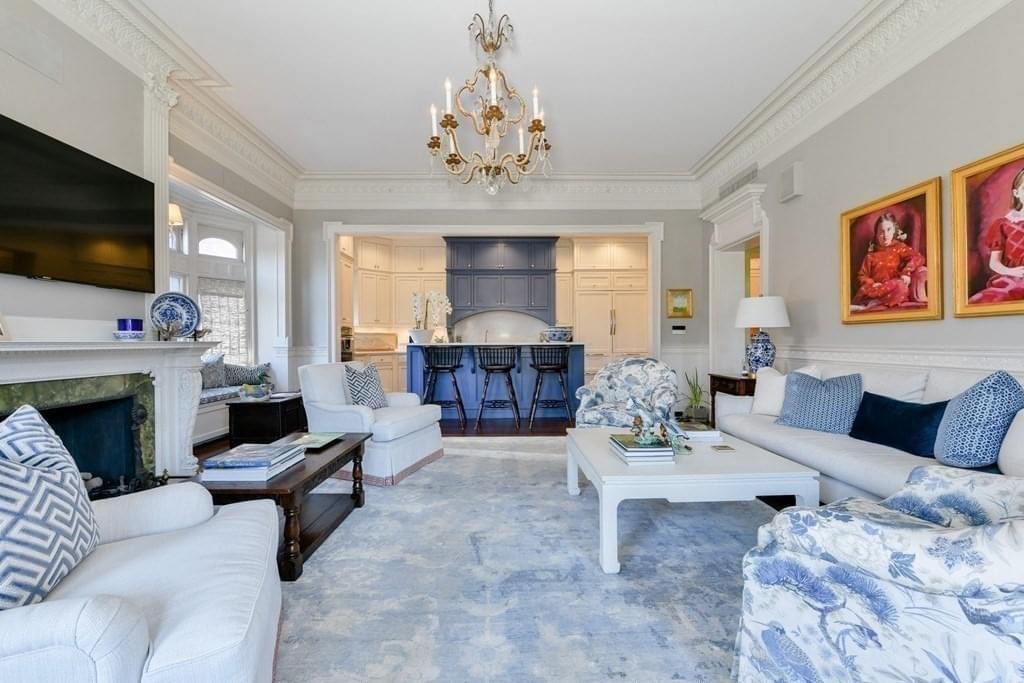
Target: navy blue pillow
(910,427)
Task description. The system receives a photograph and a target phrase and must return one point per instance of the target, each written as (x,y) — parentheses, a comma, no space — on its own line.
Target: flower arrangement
(438,307)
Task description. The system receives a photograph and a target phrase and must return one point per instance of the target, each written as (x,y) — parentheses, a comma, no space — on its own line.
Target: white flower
(417,309)
(438,307)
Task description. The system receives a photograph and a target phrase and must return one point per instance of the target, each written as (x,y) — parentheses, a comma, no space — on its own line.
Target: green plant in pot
(696,398)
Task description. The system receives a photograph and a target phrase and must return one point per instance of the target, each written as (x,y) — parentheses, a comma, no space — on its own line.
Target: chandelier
(494,110)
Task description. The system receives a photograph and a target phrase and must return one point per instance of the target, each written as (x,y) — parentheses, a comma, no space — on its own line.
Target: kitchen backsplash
(374,341)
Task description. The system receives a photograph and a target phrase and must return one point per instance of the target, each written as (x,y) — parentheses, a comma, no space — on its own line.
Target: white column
(158,98)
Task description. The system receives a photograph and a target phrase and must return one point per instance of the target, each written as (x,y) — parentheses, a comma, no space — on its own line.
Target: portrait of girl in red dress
(888,250)
(988,227)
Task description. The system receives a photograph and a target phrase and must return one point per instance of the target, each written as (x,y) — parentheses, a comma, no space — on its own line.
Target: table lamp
(761,312)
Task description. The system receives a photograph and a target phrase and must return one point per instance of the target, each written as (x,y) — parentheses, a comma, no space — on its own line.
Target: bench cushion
(216,394)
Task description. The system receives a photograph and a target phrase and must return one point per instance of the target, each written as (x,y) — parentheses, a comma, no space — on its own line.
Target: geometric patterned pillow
(824,405)
(47,525)
(235,375)
(975,424)
(365,388)
(213,372)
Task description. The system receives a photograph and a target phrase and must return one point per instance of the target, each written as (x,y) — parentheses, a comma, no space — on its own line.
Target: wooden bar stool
(497,360)
(444,360)
(549,360)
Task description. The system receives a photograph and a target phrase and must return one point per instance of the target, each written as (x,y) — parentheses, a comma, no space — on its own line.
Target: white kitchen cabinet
(563,256)
(592,280)
(419,259)
(374,256)
(593,323)
(563,299)
(407,259)
(401,368)
(629,255)
(631,323)
(346,295)
(629,281)
(592,255)
(374,298)
(434,259)
(406,286)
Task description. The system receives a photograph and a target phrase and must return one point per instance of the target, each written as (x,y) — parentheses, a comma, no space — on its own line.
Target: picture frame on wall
(891,257)
(988,235)
(679,303)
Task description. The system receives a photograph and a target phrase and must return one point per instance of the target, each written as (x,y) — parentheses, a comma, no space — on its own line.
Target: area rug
(481,567)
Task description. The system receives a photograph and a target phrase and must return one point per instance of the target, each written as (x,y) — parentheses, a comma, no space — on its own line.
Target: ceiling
(627,87)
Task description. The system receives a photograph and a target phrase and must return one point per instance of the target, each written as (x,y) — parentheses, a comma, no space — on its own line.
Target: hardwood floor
(210,448)
(546,427)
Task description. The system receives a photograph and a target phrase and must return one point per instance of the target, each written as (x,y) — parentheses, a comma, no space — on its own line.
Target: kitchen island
(471,381)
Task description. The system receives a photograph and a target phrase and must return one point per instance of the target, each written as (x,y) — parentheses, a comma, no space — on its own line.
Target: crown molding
(882,42)
(561,191)
(204,122)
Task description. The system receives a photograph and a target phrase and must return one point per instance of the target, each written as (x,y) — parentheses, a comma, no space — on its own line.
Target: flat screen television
(66,215)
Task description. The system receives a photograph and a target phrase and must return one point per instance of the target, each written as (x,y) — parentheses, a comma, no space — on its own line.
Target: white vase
(421,336)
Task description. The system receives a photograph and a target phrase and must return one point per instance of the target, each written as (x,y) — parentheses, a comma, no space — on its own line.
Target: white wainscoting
(684,359)
(992,358)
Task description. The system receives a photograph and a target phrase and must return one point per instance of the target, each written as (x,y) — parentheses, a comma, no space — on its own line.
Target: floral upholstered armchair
(605,401)
(926,585)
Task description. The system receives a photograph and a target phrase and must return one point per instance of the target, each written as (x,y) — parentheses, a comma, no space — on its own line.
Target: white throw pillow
(1011,453)
(770,390)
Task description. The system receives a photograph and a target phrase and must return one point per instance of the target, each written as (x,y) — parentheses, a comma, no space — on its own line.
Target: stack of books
(252,462)
(632,453)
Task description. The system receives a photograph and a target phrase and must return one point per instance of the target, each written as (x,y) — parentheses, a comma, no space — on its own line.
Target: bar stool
(443,360)
(497,360)
(548,360)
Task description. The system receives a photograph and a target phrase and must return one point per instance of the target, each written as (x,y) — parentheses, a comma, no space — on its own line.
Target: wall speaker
(791,182)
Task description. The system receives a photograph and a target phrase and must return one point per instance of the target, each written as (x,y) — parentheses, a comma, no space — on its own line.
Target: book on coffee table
(627,443)
(254,473)
(315,441)
(252,455)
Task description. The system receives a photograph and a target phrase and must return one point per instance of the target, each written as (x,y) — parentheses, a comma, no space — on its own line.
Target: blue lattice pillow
(47,525)
(824,405)
(364,387)
(975,424)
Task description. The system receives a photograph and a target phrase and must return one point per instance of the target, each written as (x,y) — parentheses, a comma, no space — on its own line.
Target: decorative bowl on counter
(557,334)
(129,335)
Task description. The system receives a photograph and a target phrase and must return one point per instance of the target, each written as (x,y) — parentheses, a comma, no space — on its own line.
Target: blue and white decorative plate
(172,307)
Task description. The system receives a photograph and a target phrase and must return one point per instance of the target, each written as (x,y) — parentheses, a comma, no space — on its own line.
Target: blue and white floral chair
(605,401)
(927,585)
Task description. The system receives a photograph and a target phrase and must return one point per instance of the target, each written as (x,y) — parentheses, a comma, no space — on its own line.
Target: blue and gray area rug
(480,567)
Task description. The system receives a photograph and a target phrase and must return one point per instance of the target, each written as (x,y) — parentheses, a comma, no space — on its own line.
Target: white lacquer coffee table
(698,477)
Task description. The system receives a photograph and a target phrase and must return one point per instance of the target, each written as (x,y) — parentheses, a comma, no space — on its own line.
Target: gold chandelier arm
(513,94)
(471,87)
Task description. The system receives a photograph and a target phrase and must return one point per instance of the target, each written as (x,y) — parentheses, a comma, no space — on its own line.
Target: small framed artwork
(988,235)
(679,303)
(891,257)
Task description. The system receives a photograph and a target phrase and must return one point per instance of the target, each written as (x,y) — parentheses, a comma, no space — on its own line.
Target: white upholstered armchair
(406,434)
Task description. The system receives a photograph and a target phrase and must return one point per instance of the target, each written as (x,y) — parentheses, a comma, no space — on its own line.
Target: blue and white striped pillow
(976,421)
(47,525)
(824,405)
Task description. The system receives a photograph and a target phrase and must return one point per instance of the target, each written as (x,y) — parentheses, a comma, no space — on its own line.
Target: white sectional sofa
(850,467)
(174,592)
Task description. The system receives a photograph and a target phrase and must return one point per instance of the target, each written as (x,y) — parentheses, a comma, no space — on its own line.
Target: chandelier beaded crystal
(495,109)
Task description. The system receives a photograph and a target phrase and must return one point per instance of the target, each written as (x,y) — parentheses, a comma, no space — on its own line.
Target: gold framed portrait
(891,257)
(988,235)
(679,303)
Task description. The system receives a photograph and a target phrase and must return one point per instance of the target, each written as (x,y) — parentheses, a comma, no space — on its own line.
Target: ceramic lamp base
(760,352)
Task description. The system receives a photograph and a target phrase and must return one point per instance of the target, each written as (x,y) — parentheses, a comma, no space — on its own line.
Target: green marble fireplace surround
(66,393)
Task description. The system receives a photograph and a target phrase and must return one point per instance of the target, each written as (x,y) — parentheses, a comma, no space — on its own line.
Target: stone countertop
(506,343)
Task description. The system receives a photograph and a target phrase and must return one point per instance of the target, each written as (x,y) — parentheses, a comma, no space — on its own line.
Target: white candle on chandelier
(451,142)
(433,120)
(447,96)
(540,115)
(536,100)
(522,144)
(494,85)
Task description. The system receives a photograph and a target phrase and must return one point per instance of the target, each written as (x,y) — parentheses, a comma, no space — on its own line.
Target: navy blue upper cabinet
(460,288)
(542,255)
(486,255)
(486,291)
(515,255)
(540,291)
(460,255)
(515,291)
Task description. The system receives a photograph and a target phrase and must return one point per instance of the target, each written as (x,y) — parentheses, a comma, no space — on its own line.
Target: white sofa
(848,466)
(174,592)
(405,435)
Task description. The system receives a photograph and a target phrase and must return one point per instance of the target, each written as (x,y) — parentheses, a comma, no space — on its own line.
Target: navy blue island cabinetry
(471,382)
(501,274)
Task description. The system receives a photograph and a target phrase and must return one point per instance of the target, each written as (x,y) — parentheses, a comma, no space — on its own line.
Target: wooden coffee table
(308,519)
(701,476)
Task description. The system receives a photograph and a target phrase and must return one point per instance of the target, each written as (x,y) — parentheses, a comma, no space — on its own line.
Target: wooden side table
(308,519)
(265,421)
(737,385)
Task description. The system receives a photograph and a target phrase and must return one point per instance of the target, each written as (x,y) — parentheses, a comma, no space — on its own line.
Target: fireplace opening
(103,437)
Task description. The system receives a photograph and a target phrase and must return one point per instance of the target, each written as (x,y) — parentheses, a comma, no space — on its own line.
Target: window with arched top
(216,246)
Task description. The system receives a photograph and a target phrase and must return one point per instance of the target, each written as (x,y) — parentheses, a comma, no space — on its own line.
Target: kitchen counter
(524,377)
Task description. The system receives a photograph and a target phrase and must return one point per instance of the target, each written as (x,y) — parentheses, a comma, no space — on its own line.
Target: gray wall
(200,164)
(959,105)
(684,255)
(97,107)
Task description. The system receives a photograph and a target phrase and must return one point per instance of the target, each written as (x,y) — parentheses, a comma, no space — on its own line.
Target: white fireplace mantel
(174,367)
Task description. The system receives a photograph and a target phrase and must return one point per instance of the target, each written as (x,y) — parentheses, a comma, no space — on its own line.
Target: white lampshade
(174,218)
(762,311)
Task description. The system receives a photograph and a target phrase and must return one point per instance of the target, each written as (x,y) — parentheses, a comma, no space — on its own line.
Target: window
(179,283)
(225,315)
(216,246)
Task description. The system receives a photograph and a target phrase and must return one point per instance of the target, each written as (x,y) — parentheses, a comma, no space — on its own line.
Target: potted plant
(427,312)
(696,399)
